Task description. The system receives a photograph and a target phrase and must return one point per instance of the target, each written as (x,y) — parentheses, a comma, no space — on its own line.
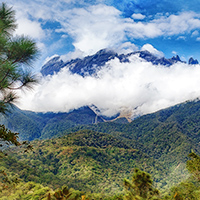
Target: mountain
(164,132)
(32,125)
(181,119)
(93,153)
(85,66)
(91,64)
(192,61)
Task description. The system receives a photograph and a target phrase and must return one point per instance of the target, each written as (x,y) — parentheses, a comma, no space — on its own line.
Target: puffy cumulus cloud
(26,23)
(100,26)
(94,27)
(195,33)
(177,24)
(137,86)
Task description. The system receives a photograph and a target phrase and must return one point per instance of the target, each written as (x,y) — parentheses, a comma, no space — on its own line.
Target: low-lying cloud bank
(138,86)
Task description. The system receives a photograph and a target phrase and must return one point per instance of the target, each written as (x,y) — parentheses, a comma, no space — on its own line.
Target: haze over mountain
(139,82)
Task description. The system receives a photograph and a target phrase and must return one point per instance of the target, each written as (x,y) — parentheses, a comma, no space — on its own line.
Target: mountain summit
(91,64)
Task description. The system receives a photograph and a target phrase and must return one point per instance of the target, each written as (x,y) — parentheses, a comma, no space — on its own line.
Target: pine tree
(16,56)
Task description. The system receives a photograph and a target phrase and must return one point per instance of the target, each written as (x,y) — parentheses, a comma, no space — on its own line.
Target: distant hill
(32,125)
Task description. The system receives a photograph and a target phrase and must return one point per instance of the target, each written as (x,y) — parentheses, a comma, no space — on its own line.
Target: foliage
(7,137)
(26,191)
(193,165)
(141,186)
(189,189)
(16,53)
(185,190)
(92,161)
(96,169)
(65,193)
(88,160)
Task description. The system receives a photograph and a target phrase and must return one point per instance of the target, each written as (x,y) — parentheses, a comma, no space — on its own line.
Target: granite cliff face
(91,64)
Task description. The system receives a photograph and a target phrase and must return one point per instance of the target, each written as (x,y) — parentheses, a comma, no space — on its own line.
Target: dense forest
(92,165)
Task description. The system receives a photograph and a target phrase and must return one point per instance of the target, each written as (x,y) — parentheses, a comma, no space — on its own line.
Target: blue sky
(79,27)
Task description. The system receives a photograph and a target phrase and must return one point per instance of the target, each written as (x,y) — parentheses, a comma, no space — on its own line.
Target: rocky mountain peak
(192,61)
(90,65)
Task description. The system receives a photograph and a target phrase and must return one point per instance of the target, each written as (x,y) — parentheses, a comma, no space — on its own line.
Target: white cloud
(126,48)
(177,24)
(72,55)
(137,86)
(195,33)
(181,38)
(152,50)
(138,16)
(29,28)
(185,22)
(174,52)
(99,26)
(49,58)
(94,28)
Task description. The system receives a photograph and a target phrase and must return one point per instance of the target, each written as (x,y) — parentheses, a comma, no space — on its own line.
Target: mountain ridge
(32,125)
(89,65)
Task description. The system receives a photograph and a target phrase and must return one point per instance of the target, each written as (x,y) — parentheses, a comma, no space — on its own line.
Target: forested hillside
(160,141)
(33,125)
(95,162)
(88,161)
